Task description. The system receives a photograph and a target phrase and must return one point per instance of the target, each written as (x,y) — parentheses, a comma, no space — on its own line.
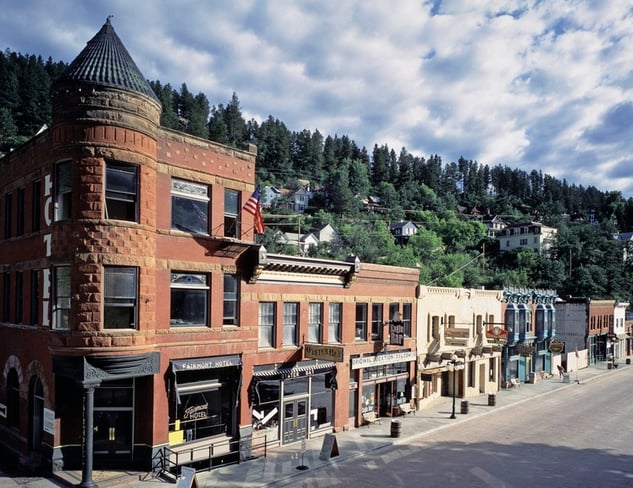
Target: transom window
(121,192)
(189,299)
(189,207)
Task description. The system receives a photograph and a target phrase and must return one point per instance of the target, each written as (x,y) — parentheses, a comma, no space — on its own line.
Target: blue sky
(544,84)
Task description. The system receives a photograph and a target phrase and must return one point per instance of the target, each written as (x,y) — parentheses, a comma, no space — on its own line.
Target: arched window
(13,399)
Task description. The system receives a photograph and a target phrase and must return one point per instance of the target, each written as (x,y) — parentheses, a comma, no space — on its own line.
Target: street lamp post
(454,362)
(613,341)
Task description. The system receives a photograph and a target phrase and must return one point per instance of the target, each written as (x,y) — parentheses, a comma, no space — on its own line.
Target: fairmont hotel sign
(383,359)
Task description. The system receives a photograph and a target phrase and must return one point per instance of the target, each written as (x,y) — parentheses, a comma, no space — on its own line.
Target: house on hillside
(532,235)
(270,195)
(402,230)
(295,200)
(326,233)
(373,204)
(494,224)
(626,238)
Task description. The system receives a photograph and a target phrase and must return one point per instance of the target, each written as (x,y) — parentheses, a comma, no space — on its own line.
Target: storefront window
(296,386)
(204,403)
(265,396)
(368,399)
(321,403)
(401,391)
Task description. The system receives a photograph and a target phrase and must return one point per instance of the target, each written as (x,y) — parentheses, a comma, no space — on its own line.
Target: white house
(533,235)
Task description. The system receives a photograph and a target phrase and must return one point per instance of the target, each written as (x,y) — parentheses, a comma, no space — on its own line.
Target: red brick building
(139,319)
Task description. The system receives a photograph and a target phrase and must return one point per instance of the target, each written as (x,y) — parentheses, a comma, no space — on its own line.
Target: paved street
(577,437)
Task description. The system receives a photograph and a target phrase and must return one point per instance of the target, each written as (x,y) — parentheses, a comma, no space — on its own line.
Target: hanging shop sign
(556,346)
(497,334)
(325,352)
(383,359)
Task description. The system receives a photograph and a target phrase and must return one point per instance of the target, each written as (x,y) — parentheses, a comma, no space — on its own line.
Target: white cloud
(539,86)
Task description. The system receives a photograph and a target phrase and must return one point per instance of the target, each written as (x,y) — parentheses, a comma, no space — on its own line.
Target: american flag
(252,207)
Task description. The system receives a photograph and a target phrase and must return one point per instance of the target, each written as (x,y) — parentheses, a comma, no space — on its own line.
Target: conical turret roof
(105,61)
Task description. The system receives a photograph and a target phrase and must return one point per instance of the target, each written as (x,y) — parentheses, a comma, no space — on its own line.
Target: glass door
(295,421)
(113,433)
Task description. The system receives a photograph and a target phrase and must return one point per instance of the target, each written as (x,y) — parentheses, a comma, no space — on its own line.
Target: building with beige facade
(453,346)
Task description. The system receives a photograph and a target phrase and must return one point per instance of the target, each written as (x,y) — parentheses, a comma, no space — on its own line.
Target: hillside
(445,200)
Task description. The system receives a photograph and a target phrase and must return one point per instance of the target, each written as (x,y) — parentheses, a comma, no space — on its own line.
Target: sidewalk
(280,466)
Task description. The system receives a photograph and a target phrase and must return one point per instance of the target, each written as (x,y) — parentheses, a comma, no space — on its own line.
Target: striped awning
(303,368)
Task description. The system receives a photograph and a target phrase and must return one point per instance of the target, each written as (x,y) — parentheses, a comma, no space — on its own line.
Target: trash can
(464,406)
(609,365)
(628,360)
(395,428)
(492,400)
(566,378)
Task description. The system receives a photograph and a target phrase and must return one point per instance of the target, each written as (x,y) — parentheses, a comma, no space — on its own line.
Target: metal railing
(209,456)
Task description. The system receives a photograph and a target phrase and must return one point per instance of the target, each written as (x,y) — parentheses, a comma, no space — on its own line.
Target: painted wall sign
(383,359)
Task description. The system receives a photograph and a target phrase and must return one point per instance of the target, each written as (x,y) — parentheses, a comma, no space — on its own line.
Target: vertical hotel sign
(46,273)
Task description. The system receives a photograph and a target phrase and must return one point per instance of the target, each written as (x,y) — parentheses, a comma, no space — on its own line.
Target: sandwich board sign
(329,448)
(187,478)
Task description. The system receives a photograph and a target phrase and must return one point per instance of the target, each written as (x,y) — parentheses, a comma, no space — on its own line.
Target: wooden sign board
(187,478)
(329,448)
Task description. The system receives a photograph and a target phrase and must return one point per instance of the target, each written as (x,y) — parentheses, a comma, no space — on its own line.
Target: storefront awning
(195,364)
(200,364)
(304,368)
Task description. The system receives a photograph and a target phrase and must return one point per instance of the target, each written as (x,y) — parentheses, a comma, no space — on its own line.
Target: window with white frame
(120,298)
(376,321)
(334,322)
(360,332)
(231,294)
(189,300)
(315,322)
(291,323)
(267,320)
(189,207)
(231,213)
(406,318)
(121,196)
(61,300)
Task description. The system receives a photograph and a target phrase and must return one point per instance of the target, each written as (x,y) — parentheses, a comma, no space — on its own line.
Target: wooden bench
(371,418)
(405,408)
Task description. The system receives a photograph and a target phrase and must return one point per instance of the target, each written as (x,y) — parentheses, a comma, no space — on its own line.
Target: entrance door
(112,436)
(295,421)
